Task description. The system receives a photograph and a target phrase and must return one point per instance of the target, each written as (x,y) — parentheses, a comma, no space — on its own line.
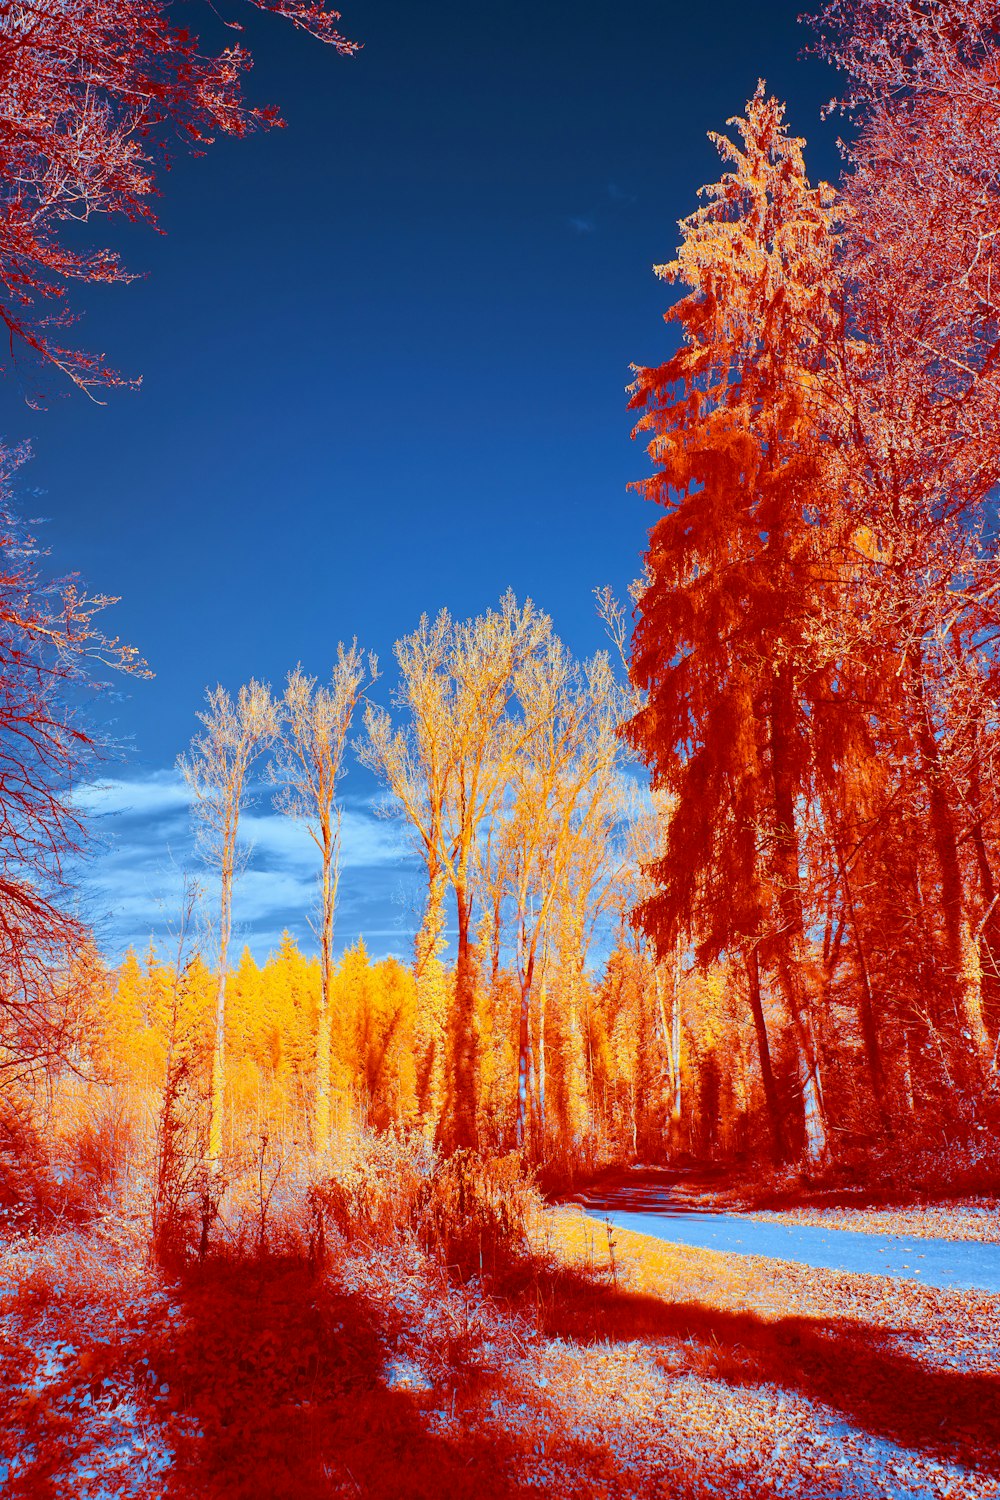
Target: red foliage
(91,95)
(923,195)
(49,645)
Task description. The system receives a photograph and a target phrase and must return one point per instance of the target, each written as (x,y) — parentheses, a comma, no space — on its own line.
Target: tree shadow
(730,1187)
(261,1380)
(281,1382)
(265,1380)
(848,1366)
(652,1189)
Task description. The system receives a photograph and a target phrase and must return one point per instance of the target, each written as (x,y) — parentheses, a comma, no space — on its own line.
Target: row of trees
(308,729)
(817,630)
(562,1027)
(601,1089)
(506,765)
(711,1023)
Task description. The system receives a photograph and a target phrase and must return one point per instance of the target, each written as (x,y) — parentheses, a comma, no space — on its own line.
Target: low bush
(376,1185)
(62,1164)
(470,1213)
(475,1214)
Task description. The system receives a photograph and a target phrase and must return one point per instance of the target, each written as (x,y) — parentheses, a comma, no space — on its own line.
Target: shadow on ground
(269,1381)
(848,1366)
(733,1187)
(282,1382)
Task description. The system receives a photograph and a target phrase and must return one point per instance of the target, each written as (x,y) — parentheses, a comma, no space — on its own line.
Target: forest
(721,900)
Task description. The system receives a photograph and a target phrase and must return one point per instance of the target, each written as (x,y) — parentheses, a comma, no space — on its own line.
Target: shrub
(182,1206)
(475,1213)
(376,1185)
(470,1213)
(103,1140)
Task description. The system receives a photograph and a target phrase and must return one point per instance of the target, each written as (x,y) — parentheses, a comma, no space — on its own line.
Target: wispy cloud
(365,839)
(134,885)
(149,797)
(581,225)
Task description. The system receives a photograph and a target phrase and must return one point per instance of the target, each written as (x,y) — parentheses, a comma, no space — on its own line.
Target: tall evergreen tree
(732,643)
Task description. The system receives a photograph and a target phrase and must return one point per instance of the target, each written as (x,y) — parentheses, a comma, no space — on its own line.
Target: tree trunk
(461,1131)
(496,930)
(866,1008)
(817,1148)
(218,1084)
(525,1060)
(670,1027)
(961,943)
(576,1060)
(779,1147)
(217,1087)
(321,1117)
(908,1094)
(989,939)
(429,976)
(790,940)
(542,1007)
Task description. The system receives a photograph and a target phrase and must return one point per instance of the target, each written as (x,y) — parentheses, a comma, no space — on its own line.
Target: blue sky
(134,888)
(384,355)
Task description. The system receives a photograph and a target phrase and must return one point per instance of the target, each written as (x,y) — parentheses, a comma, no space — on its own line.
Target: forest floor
(612,1365)
(976,1220)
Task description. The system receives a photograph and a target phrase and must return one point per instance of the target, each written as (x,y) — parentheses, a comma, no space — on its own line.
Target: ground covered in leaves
(978,1220)
(780,1380)
(612,1366)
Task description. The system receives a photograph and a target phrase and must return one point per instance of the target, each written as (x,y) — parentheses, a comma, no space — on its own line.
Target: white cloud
(133,887)
(150,796)
(365,840)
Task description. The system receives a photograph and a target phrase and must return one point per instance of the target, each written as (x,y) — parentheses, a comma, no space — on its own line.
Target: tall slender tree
(922,400)
(315,723)
(559,784)
(217,770)
(445,769)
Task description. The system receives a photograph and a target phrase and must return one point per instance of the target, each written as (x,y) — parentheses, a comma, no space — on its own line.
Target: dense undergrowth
(897,1173)
(900,1170)
(164,1319)
(104,1154)
(384,1320)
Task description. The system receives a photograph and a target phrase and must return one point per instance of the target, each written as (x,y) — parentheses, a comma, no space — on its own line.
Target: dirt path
(679,1210)
(937,1263)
